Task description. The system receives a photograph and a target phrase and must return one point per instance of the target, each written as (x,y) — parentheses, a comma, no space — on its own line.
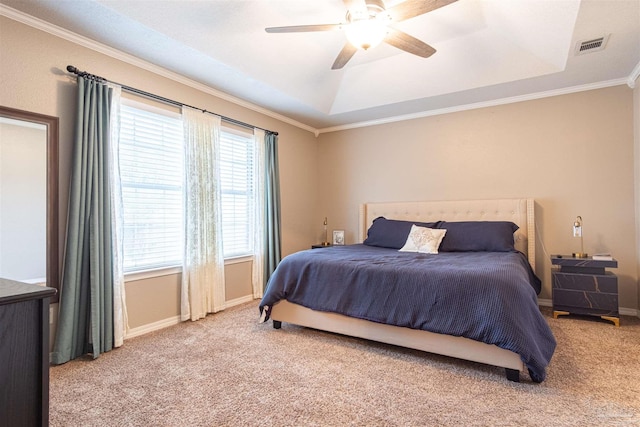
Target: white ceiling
(488,52)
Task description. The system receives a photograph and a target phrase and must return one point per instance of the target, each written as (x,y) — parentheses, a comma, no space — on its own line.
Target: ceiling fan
(369,22)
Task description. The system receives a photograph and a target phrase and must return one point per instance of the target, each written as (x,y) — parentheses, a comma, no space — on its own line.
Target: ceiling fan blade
(304,28)
(404,41)
(411,8)
(344,56)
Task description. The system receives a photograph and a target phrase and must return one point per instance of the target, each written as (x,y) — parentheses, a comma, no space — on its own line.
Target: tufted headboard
(518,211)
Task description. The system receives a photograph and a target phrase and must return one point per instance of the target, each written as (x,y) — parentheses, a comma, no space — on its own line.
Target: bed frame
(519,211)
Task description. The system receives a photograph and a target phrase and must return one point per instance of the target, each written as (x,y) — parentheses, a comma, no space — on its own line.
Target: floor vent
(593,45)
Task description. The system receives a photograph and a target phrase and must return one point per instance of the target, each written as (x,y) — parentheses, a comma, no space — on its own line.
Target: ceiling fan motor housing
(375,6)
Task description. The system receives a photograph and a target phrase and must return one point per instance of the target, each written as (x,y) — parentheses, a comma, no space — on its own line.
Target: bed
(478,304)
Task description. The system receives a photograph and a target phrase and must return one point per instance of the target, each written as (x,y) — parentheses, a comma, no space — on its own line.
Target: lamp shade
(577,227)
(366,33)
(577,232)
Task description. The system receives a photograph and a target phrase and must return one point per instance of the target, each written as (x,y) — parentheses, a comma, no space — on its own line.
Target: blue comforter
(485,296)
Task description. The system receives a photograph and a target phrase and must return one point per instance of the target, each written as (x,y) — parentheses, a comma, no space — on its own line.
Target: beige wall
(143,309)
(573,154)
(32,78)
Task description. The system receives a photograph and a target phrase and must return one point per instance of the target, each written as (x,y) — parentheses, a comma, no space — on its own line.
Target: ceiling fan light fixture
(368,23)
(366,33)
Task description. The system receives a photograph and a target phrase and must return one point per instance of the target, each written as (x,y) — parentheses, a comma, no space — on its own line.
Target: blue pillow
(478,236)
(391,233)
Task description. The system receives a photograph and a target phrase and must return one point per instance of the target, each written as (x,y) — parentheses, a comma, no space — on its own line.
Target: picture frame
(338,237)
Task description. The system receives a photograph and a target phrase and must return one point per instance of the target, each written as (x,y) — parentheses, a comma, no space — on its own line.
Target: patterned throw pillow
(424,240)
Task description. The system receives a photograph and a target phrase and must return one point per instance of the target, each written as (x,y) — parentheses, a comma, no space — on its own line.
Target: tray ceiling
(487,50)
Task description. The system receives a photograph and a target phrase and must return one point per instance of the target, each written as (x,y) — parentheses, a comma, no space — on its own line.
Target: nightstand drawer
(580,302)
(605,283)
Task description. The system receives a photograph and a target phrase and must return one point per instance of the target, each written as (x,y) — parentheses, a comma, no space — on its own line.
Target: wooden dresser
(24,354)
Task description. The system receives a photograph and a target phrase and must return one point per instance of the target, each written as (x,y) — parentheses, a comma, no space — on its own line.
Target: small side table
(321,245)
(582,286)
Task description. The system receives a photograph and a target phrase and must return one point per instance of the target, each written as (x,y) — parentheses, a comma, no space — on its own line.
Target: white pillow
(424,240)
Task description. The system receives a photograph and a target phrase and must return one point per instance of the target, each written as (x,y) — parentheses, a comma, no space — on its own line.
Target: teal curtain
(85,320)
(272,254)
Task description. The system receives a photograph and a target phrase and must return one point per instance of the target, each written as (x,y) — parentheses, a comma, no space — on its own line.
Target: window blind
(151,170)
(236,176)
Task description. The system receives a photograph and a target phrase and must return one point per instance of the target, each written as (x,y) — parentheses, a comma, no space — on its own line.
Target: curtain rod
(74,70)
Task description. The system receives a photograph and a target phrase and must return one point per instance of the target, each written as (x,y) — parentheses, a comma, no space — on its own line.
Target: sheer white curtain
(259,214)
(120,319)
(203,267)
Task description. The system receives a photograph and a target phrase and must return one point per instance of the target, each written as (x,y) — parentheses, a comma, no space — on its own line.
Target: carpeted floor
(228,370)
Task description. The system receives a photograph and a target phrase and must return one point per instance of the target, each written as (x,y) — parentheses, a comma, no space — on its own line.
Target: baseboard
(629,312)
(150,327)
(238,301)
(545,302)
(622,310)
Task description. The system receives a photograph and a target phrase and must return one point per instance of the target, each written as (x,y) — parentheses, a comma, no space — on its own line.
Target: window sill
(238,259)
(168,271)
(148,274)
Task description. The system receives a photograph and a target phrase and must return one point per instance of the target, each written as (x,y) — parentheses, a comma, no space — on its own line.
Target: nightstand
(321,245)
(582,286)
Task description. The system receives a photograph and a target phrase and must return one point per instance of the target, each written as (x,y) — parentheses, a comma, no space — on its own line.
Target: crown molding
(635,73)
(485,104)
(62,33)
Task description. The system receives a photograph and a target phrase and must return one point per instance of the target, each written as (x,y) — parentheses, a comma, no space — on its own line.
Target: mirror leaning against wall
(29,197)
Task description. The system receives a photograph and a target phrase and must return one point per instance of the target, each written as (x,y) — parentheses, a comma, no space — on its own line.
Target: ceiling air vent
(593,45)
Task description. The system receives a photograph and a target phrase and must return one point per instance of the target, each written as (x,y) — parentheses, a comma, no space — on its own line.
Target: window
(152,174)
(237,175)
(151,171)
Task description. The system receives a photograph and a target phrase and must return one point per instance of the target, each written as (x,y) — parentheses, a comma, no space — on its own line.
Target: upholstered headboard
(518,211)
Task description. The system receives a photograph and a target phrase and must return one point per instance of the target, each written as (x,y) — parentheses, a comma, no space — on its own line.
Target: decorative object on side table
(602,257)
(582,286)
(338,237)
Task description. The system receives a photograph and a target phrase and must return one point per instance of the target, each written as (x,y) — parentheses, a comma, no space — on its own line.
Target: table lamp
(326,237)
(577,232)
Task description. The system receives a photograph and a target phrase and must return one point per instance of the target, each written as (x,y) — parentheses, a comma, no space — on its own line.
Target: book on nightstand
(602,257)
